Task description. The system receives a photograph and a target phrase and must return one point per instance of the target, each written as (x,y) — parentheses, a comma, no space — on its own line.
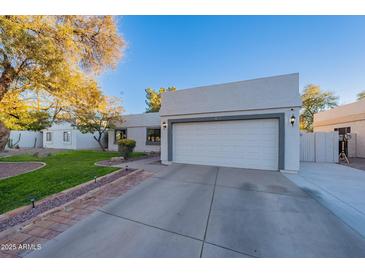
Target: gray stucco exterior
(262,98)
(136,126)
(264,93)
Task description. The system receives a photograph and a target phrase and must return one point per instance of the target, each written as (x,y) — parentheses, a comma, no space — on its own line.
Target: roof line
(340,106)
(240,81)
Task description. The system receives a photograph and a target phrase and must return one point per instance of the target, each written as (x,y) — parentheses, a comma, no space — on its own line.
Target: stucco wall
(292,141)
(86,141)
(136,125)
(27,138)
(357,127)
(263,93)
(139,120)
(57,139)
(277,94)
(111,145)
(78,139)
(136,133)
(349,115)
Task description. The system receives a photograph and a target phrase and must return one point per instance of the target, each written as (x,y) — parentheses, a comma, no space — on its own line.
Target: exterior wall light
(164,124)
(292,119)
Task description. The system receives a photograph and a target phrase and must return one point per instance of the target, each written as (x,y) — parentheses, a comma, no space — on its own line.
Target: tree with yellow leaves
(361,95)
(96,115)
(314,100)
(153,98)
(57,56)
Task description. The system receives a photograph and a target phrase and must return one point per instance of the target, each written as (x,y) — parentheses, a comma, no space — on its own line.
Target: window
(153,136)
(49,136)
(67,136)
(120,134)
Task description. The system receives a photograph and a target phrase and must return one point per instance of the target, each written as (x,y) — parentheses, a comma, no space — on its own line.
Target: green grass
(63,170)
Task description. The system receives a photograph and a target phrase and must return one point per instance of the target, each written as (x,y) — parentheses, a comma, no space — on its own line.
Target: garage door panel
(244,143)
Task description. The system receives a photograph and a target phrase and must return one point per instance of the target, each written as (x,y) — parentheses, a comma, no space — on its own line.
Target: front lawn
(63,170)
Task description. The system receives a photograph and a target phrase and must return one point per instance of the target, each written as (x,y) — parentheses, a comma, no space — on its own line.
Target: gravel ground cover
(13,169)
(135,157)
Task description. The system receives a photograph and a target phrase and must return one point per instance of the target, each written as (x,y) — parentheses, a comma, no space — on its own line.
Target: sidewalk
(339,188)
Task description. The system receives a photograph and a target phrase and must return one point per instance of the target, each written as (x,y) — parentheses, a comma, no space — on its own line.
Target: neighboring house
(144,128)
(65,136)
(26,138)
(348,118)
(246,124)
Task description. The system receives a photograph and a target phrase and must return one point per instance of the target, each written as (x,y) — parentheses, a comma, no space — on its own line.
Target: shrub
(126,146)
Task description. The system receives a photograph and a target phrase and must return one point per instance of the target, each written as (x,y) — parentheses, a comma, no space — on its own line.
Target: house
(246,124)
(66,136)
(349,118)
(144,128)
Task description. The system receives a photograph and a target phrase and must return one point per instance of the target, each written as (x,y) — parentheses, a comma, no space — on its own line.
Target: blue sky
(190,51)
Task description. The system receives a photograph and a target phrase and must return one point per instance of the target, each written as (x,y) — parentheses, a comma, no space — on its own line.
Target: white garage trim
(278,116)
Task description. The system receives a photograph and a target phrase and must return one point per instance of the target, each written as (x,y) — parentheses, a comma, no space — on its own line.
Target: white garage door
(244,143)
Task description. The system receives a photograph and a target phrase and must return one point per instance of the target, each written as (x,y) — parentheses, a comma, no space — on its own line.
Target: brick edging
(87,193)
(50,224)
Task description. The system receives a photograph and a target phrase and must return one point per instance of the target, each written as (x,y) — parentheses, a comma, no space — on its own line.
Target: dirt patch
(13,169)
(118,162)
(57,200)
(38,151)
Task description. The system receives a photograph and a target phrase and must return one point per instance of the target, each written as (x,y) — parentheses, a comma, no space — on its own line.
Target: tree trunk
(6,78)
(4,136)
(99,142)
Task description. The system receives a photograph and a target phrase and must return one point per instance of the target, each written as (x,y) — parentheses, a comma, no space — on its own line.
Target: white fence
(26,139)
(319,147)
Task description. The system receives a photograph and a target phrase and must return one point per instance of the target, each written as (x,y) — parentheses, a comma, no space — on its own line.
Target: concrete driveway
(339,188)
(203,211)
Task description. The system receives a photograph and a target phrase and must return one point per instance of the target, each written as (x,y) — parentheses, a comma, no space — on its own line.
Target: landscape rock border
(27,213)
(48,225)
(110,163)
